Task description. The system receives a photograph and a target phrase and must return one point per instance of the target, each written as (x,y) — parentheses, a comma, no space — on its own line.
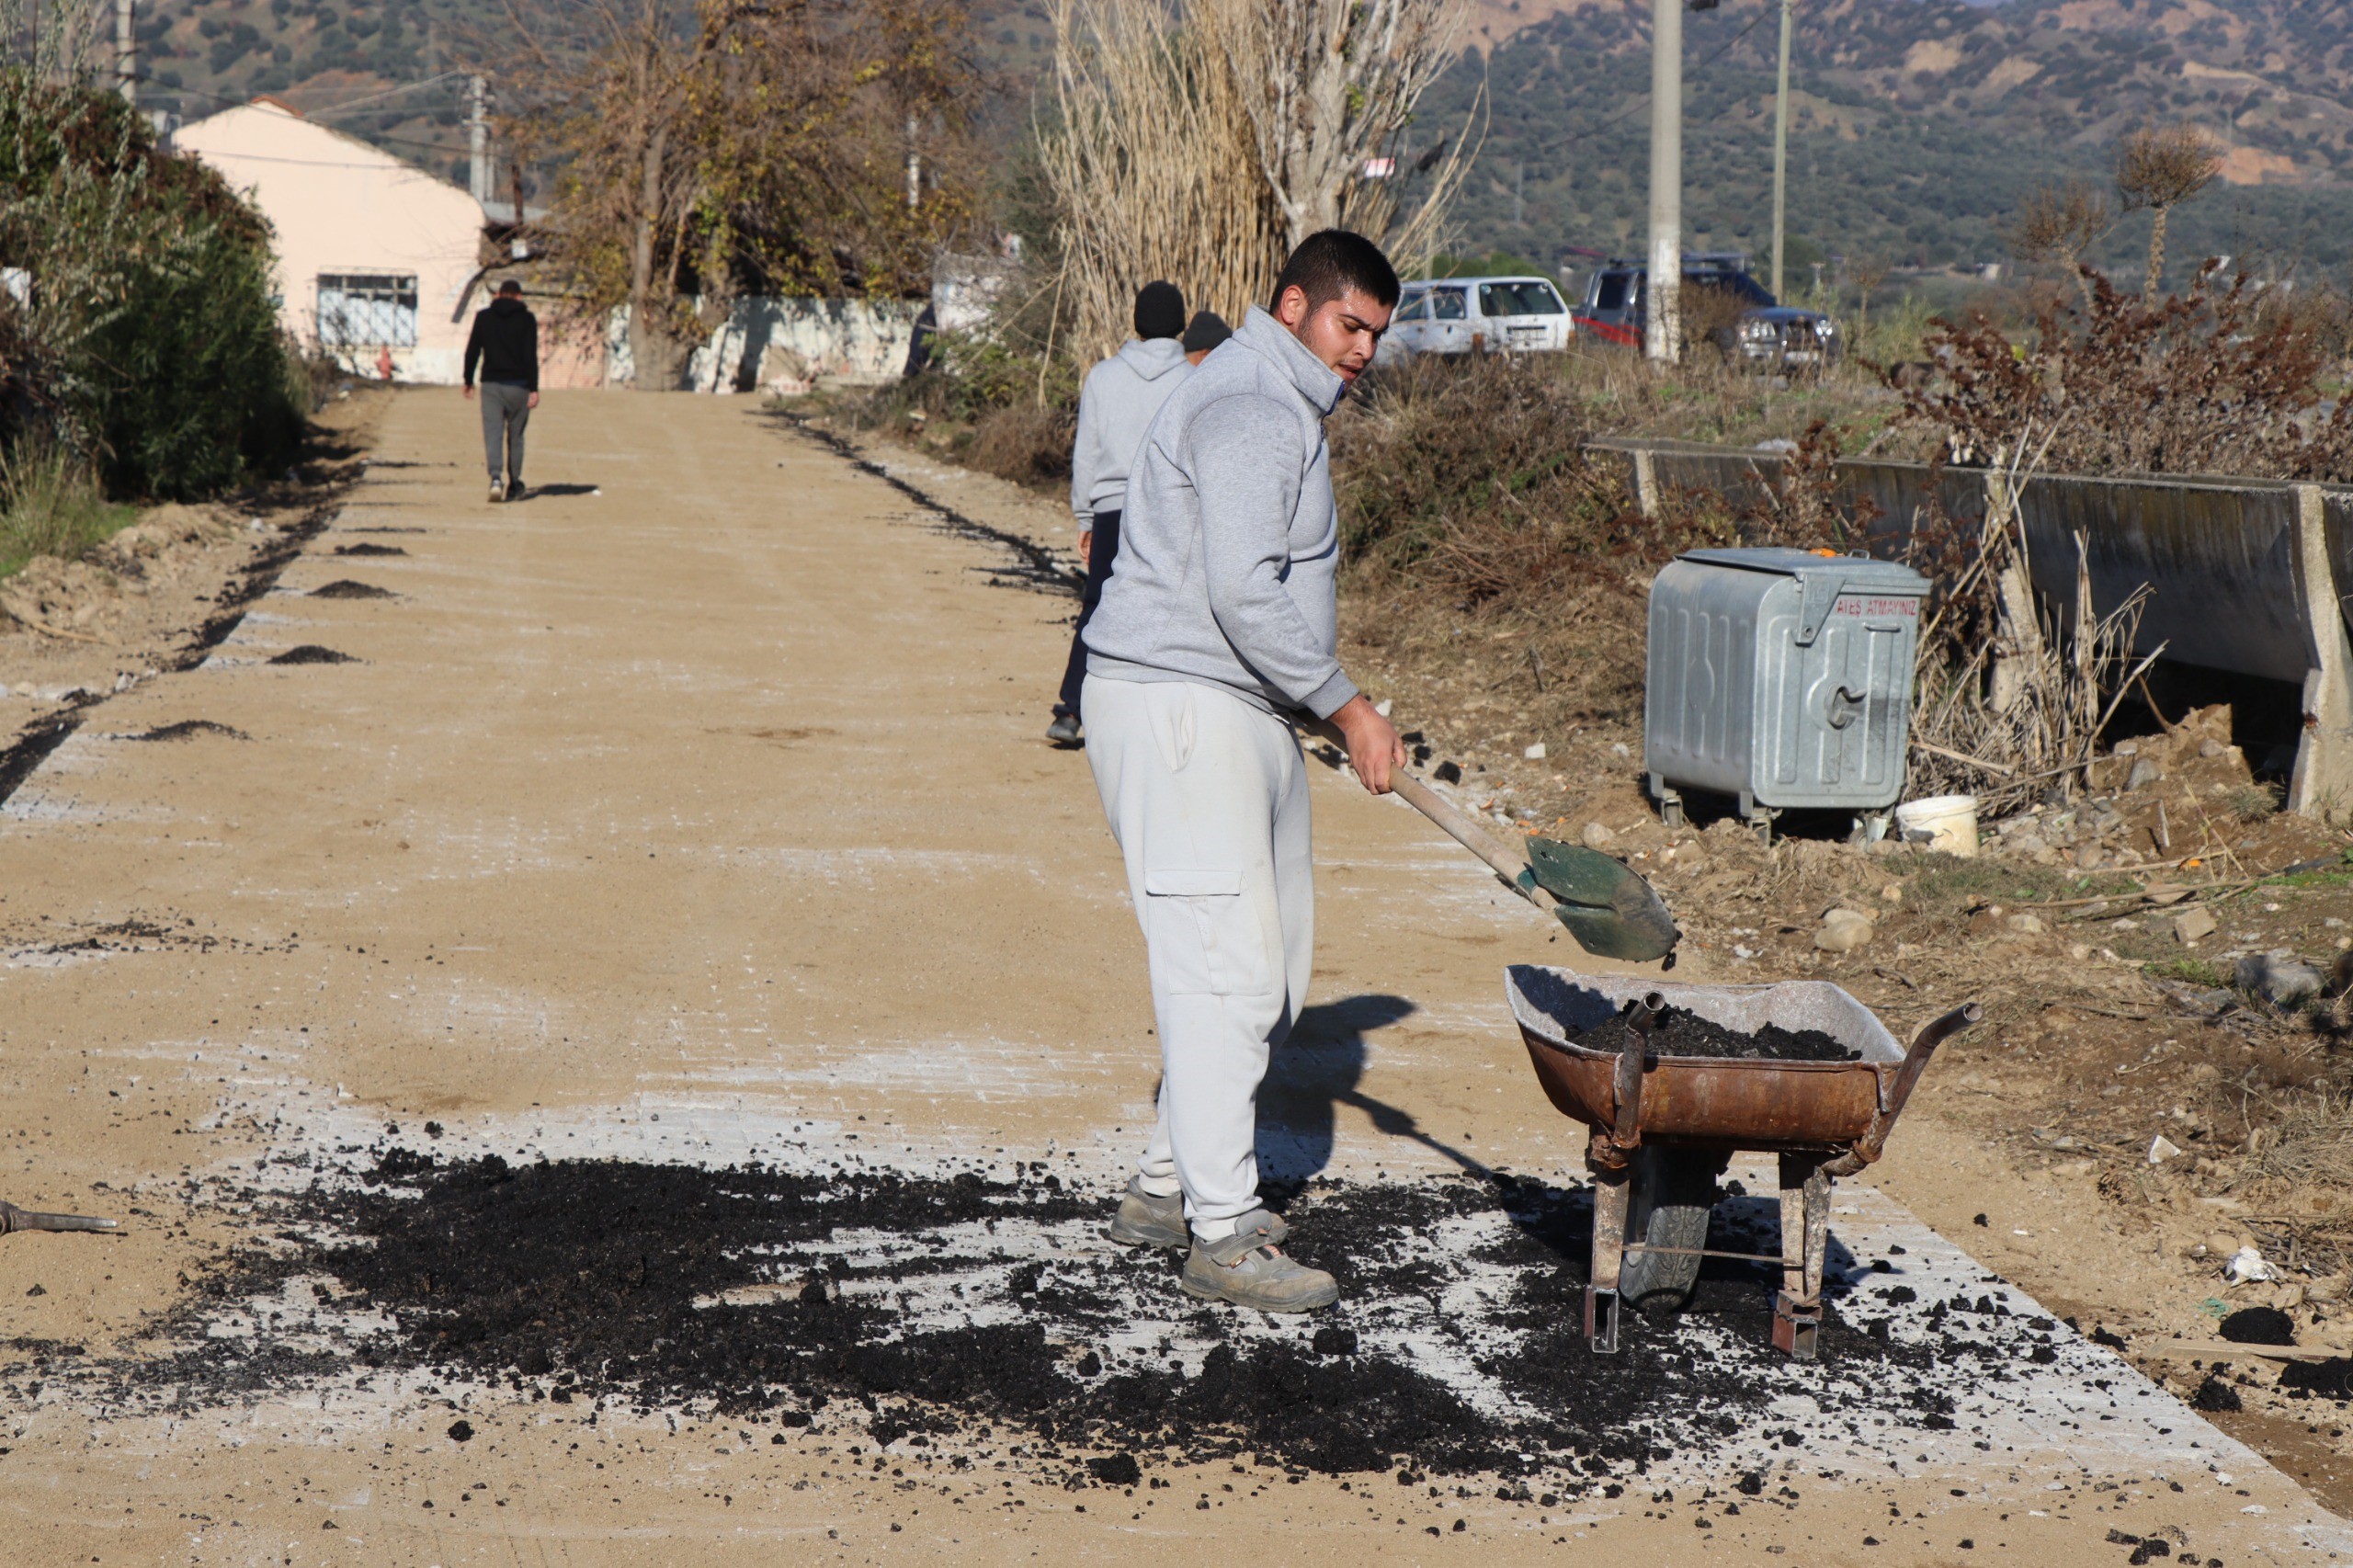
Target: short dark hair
(1329,263)
(511,287)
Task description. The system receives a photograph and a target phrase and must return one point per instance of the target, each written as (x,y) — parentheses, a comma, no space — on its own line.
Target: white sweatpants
(1208,798)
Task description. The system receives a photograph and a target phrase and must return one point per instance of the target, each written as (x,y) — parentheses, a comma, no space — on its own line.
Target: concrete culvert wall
(2245,576)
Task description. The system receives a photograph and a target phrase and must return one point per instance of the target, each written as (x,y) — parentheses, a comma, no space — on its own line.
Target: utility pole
(1663,337)
(478,140)
(126,53)
(1781,149)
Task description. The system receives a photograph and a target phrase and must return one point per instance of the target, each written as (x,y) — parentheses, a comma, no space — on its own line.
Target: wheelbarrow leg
(1610,1194)
(1805,1237)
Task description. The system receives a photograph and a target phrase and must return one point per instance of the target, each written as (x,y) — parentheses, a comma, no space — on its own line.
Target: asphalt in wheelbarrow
(1682,1032)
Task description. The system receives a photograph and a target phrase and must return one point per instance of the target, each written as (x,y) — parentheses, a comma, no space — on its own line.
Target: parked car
(1477,315)
(1723,305)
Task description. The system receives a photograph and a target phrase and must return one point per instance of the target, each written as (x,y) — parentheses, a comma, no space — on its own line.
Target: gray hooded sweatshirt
(1230,543)
(1115,408)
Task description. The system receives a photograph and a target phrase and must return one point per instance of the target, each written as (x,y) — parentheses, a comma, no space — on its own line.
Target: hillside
(1918,123)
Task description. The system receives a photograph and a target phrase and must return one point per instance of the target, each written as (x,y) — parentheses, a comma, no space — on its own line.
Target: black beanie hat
(1207,331)
(1160,311)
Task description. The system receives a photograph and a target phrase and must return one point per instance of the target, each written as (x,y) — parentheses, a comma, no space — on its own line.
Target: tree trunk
(652,354)
(2156,254)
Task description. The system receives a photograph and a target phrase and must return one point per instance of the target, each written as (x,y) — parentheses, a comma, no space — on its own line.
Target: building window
(365,310)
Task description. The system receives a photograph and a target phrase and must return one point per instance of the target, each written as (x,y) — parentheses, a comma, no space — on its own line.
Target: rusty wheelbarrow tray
(1657,1120)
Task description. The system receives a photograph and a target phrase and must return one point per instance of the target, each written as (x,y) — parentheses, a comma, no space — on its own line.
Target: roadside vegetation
(140,353)
(49,505)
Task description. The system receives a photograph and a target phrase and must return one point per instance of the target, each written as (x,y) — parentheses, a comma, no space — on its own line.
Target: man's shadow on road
(1321,1068)
(551,491)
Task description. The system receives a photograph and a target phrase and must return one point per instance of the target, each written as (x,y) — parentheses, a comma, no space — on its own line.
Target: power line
(387,92)
(445,148)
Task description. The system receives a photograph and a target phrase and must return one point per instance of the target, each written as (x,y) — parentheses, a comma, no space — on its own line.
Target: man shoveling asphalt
(1218,624)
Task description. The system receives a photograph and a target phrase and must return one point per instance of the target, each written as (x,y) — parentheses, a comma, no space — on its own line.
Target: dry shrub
(1473,478)
(1028,443)
(2217,379)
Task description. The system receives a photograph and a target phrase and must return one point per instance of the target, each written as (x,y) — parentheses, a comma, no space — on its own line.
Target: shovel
(1612,913)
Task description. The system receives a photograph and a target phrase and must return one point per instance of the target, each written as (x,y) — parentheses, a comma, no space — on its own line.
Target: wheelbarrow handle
(1932,1034)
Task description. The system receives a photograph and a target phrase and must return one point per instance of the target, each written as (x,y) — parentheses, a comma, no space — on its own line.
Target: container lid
(1859,571)
(1821,578)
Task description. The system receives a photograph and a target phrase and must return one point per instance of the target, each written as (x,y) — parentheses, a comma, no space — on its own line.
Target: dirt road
(693,813)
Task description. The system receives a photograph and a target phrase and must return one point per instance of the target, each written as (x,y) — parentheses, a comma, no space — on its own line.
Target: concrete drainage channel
(23,756)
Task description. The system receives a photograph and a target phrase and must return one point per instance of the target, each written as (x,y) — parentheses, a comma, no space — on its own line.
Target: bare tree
(1151,166)
(711,147)
(2058,224)
(2159,168)
(1200,146)
(1329,86)
(1869,269)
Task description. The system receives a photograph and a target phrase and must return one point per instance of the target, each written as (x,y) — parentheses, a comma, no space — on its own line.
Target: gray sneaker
(1144,1221)
(1063,731)
(498,491)
(1249,1270)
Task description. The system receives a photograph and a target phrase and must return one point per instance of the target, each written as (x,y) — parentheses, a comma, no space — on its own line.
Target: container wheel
(1671,1193)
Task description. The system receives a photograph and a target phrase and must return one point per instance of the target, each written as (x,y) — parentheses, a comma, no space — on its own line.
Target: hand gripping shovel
(1612,913)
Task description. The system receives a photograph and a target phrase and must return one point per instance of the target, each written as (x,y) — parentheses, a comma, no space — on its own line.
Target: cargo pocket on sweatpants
(1197,925)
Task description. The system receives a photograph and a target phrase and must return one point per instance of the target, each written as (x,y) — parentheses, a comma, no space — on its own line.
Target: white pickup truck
(1476,315)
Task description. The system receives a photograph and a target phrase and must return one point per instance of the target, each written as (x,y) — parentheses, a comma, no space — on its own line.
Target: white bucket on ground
(1946,822)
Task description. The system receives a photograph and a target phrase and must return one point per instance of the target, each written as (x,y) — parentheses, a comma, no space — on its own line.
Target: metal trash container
(1783,678)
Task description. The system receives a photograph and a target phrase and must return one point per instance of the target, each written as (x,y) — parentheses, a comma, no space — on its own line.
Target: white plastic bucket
(1946,823)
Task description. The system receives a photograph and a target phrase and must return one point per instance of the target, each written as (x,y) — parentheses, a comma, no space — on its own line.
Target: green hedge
(148,343)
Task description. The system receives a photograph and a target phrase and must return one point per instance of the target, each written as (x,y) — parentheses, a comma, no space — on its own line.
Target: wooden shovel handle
(1506,862)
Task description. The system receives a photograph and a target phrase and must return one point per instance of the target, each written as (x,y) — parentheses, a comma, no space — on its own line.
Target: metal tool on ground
(14,1218)
(1610,911)
(1664,1127)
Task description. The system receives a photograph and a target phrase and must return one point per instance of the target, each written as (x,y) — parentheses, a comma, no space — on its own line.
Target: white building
(373,253)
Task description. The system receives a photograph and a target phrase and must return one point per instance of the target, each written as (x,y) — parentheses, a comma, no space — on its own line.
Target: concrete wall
(769,344)
(341,206)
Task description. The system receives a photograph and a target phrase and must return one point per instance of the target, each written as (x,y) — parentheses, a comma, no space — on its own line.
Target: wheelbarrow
(1665,1127)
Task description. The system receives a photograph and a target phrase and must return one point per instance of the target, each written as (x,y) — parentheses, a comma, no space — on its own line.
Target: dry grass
(50,505)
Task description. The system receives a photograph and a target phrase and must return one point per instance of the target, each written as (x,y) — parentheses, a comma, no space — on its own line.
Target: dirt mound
(365,548)
(312,653)
(78,599)
(187,730)
(346,588)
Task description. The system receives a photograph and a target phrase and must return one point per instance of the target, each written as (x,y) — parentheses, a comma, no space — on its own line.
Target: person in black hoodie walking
(505,345)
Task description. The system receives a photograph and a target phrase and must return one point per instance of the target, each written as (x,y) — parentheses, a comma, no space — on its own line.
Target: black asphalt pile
(911,1305)
(312,653)
(1680,1032)
(365,548)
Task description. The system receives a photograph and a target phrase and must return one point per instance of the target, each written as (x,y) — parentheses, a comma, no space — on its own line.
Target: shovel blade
(1612,913)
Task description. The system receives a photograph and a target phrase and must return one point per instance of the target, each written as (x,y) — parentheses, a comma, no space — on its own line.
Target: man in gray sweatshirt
(1115,403)
(1218,626)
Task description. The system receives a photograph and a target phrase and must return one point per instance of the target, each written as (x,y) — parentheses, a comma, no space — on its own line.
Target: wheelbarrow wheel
(1671,1193)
